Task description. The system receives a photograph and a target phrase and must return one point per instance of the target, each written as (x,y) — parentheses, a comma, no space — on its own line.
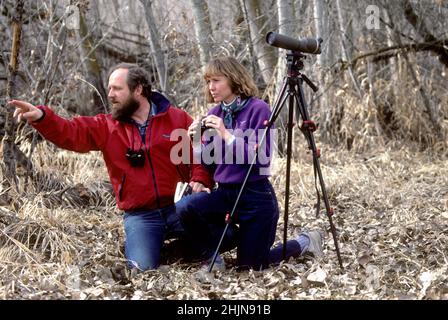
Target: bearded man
(135,143)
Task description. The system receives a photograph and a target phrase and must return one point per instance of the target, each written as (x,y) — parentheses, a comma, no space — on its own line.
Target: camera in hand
(136,158)
(203,126)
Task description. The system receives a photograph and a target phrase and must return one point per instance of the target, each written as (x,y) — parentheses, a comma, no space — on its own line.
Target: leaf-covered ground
(61,236)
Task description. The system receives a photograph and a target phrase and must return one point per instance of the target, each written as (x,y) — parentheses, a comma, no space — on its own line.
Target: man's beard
(125,111)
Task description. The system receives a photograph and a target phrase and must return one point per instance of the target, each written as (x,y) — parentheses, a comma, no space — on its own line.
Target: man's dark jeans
(146,231)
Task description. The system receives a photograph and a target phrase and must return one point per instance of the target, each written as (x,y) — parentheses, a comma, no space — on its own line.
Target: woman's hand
(194,132)
(216,122)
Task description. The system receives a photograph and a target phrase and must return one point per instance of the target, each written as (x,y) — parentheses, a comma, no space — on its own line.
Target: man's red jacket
(148,187)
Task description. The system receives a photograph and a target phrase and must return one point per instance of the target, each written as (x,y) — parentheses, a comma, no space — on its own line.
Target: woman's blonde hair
(240,81)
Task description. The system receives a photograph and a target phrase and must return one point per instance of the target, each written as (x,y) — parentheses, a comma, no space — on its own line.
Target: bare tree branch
(421,27)
(387,52)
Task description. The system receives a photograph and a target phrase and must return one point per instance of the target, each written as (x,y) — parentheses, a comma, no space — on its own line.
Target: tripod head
(294,63)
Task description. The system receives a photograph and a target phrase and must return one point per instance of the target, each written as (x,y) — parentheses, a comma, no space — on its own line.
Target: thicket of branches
(375,84)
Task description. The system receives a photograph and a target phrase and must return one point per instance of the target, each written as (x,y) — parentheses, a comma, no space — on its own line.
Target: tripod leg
(279,103)
(288,169)
(308,133)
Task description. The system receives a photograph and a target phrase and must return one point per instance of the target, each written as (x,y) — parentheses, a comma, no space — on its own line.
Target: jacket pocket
(121,186)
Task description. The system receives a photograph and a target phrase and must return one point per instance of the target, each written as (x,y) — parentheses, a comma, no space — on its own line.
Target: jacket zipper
(120,191)
(151,166)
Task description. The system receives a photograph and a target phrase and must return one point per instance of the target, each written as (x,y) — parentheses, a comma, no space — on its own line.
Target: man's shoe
(315,246)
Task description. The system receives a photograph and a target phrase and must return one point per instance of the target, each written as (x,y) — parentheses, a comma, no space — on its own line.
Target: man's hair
(240,81)
(136,75)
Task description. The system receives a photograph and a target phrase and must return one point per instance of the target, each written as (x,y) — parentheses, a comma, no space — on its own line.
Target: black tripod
(292,89)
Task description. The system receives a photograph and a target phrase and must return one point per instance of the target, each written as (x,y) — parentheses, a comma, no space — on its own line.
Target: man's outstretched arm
(80,134)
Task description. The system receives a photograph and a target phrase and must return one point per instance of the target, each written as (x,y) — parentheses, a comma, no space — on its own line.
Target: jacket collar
(161,103)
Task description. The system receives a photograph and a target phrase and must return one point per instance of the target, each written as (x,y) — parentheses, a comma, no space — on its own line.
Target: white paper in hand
(182,189)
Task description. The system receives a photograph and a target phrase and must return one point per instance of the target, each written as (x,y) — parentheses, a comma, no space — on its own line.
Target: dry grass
(391,210)
(391,107)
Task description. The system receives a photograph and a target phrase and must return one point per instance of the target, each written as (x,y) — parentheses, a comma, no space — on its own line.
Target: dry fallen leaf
(317,277)
(426,279)
(364,260)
